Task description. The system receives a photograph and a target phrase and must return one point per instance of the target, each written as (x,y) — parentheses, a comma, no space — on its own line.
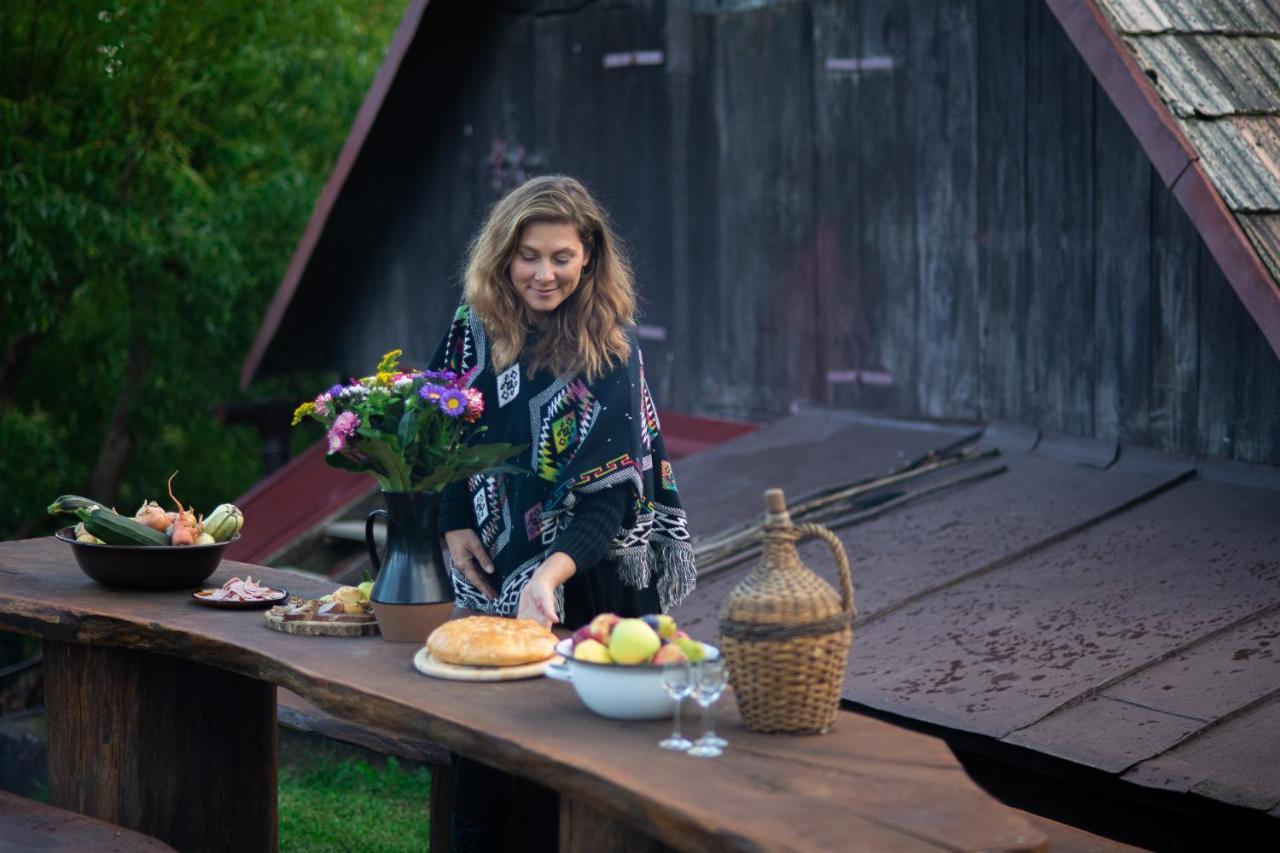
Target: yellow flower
(302,411)
(389,362)
(384,377)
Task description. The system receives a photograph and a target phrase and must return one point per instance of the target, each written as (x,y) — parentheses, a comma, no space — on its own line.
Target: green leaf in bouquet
(408,429)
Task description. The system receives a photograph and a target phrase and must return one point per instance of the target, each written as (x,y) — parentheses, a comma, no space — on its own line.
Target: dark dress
(600,489)
(494,810)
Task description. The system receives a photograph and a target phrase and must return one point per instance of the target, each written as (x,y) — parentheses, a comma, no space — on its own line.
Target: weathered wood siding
(961,227)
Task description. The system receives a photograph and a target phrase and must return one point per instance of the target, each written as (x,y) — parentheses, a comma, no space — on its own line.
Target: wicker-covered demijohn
(785,633)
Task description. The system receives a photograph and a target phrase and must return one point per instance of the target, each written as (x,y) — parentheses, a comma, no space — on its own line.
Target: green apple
(366,590)
(632,641)
(591,650)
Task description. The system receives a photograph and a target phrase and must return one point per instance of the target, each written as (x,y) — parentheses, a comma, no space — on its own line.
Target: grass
(349,804)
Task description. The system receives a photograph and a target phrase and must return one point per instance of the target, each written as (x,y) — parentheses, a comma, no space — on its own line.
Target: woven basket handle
(804,531)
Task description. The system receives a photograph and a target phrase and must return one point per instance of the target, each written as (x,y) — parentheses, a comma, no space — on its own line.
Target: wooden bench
(27,825)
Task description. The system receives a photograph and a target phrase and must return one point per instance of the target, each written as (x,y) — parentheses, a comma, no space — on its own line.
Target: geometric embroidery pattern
(563,423)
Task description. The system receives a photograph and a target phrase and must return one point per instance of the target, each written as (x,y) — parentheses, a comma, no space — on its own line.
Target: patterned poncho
(582,437)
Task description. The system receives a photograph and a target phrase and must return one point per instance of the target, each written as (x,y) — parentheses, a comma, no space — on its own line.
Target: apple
(592,651)
(366,590)
(583,633)
(670,653)
(601,626)
(680,635)
(632,642)
(666,626)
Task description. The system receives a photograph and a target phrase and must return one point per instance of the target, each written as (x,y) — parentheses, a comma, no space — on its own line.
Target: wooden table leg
(174,749)
(586,829)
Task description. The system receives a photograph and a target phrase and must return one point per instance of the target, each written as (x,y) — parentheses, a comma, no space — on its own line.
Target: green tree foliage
(158,163)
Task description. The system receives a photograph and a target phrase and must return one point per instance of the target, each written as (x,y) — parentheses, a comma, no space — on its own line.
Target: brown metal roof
(1113,606)
(1198,82)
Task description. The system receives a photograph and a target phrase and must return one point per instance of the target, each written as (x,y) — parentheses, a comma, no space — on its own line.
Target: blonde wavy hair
(588,331)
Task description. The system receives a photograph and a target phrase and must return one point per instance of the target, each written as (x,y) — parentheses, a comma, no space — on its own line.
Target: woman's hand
(538,598)
(469,555)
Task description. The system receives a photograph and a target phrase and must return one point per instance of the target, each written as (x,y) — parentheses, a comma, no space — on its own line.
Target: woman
(545,333)
(595,525)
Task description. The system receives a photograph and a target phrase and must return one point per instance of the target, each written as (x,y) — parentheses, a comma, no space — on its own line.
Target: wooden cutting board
(308,628)
(424,663)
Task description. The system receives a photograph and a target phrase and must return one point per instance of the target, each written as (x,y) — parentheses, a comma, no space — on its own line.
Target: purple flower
(335,390)
(431,393)
(453,402)
(440,375)
(344,426)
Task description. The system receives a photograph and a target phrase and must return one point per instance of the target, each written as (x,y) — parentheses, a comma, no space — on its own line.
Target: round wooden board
(424,663)
(307,628)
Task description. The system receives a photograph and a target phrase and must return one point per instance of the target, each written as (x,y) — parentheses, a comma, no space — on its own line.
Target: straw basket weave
(785,633)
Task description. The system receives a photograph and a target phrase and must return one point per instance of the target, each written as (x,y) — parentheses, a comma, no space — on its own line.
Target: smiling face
(547,265)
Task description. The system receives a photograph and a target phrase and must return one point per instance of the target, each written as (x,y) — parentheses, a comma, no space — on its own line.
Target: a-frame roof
(1199,85)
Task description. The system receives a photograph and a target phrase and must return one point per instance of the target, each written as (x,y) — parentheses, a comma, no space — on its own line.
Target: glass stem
(709,721)
(675,731)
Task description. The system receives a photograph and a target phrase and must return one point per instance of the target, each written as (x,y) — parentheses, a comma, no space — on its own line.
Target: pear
(691,647)
(366,590)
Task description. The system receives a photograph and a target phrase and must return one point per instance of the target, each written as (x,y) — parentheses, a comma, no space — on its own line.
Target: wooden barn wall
(964,228)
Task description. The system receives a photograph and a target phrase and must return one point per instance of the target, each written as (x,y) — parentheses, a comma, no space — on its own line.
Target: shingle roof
(1216,66)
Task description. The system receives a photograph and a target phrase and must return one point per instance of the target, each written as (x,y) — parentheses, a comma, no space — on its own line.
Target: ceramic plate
(203,597)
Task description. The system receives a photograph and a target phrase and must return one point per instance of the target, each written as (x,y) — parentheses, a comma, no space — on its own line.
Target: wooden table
(161,718)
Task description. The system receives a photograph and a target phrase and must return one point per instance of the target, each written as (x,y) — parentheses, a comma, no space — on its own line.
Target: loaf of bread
(491,641)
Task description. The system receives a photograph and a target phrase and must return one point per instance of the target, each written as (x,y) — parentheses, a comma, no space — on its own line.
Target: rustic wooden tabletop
(113,656)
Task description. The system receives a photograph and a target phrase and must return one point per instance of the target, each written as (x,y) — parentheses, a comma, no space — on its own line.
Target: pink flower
(475,405)
(322,404)
(344,426)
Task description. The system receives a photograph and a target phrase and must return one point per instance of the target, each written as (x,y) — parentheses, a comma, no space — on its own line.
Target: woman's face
(547,265)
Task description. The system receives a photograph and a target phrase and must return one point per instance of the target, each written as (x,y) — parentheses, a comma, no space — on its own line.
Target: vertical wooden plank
(174,749)
(843,322)
(943,108)
(680,45)
(1060,230)
(1003,289)
(1175,346)
(1123,307)
(757,351)
(883,294)
(584,829)
(1239,406)
(703,191)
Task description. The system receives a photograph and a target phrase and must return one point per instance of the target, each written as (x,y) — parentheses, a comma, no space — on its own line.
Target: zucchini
(114,529)
(68,504)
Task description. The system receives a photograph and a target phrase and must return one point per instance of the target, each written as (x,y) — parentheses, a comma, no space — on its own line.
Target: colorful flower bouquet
(413,430)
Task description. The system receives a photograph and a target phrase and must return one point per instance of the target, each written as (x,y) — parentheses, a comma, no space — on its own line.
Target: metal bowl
(146,566)
(617,691)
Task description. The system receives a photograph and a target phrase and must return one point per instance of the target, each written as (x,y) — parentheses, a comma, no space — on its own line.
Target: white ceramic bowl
(617,691)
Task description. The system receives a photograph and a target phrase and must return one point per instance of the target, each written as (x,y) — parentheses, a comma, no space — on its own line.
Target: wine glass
(708,685)
(677,680)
